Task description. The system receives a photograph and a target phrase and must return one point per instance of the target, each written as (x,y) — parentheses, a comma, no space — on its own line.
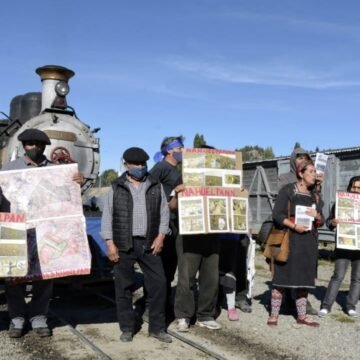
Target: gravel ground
(250,338)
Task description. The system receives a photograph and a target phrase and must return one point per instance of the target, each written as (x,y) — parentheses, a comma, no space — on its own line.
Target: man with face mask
(167,172)
(134,223)
(34,142)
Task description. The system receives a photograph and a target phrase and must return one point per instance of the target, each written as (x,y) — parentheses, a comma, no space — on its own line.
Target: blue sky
(267,73)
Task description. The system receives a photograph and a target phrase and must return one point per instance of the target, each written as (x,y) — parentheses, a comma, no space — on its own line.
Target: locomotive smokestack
(51,75)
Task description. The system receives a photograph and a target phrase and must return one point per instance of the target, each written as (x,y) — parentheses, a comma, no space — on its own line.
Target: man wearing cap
(34,142)
(134,223)
(166,171)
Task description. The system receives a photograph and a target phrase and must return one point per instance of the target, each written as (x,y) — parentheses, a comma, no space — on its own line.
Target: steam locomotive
(71,139)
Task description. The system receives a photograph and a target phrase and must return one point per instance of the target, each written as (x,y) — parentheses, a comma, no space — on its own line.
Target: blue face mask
(178,156)
(138,173)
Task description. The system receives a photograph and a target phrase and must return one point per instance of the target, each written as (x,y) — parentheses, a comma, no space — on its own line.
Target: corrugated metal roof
(328,152)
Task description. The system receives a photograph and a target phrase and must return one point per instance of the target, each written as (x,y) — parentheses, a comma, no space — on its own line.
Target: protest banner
(213,199)
(57,243)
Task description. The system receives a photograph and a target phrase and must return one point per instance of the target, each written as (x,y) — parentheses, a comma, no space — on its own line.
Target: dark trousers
(233,257)
(169,260)
(154,280)
(189,264)
(341,266)
(39,304)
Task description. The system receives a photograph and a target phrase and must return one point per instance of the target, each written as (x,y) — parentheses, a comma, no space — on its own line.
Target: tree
(297,145)
(107,177)
(317,149)
(199,141)
(255,152)
(269,153)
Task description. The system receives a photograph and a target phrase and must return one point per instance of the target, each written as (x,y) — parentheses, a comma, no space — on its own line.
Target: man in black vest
(134,223)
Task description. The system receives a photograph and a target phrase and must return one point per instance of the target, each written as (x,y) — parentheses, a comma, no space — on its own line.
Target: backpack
(265,231)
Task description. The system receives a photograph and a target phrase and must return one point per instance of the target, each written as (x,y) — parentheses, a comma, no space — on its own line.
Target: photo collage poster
(347,211)
(213,200)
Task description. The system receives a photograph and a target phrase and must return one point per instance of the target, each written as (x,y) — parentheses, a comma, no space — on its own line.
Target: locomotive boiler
(71,139)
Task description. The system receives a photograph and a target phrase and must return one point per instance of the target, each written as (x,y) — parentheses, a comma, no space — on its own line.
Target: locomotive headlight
(62,88)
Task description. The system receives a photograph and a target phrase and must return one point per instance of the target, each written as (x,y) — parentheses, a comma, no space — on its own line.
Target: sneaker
(182,325)
(210,324)
(233,315)
(39,326)
(243,305)
(323,312)
(16,328)
(126,336)
(161,336)
(353,313)
(42,331)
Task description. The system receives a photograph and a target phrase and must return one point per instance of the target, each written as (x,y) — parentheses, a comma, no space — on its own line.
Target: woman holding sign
(299,271)
(343,258)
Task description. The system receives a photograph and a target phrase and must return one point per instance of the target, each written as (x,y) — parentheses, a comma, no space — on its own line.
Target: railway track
(85,327)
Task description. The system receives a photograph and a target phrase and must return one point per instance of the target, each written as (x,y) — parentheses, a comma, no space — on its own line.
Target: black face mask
(35,154)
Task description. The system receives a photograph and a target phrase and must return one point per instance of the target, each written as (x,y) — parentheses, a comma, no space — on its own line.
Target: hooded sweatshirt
(290,177)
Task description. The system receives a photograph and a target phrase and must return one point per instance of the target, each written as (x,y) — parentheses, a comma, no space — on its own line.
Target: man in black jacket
(134,224)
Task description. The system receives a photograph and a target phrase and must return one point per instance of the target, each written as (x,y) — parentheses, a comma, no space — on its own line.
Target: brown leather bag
(277,245)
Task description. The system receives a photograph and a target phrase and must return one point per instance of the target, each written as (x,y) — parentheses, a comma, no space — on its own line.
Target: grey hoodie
(290,177)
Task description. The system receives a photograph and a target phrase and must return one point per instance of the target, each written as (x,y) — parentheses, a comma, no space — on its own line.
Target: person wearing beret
(34,142)
(134,223)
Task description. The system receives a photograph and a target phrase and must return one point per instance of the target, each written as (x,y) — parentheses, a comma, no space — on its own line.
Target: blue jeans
(341,266)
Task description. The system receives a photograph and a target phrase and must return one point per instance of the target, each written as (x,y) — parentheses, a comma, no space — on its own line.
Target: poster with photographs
(13,245)
(348,236)
(210,167)
(191,215)
(212,201)
(239,214)
(347,207)
(218,214)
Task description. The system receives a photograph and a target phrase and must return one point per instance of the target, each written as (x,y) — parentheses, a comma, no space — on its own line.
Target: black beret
(34,135)
(135,155)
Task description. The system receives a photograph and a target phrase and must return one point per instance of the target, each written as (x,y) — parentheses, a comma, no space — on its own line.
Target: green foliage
(107,177)
(255,152)
(297,145)
(199,141)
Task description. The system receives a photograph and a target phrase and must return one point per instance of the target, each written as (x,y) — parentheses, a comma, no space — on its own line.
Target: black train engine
(71,139)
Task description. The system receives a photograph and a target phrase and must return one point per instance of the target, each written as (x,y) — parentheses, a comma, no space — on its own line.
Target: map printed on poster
(347,211)
(51,202)
(13,249)
(215,176)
